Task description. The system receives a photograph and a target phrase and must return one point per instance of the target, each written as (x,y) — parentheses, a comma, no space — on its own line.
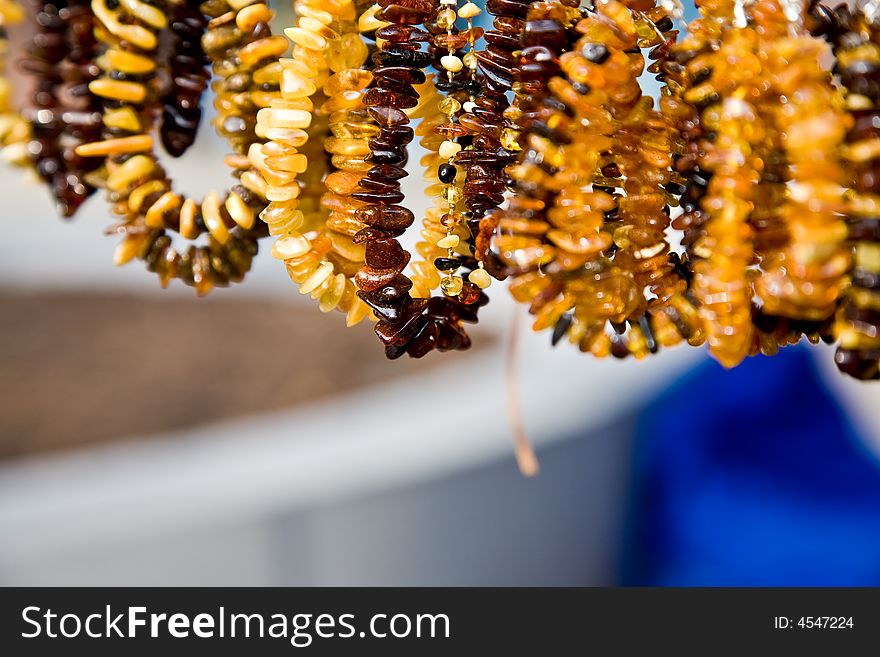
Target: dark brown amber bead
(403,74)
(385,254)
(385,217)
(188,70)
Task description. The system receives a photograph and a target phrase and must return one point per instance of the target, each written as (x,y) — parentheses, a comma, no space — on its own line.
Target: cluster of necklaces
(740,210)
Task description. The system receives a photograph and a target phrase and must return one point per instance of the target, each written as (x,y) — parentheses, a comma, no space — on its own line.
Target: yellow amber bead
(306,39)
(136,168)
(448,242)
(445,18)
(189,228)
(269,48)
(291,246)
(480,277)
(122,118)
(448,149)
(353,147)
(294,85)
(295,163)
(150,15)
(449,105)
(155,216)
(331,297)
(213,219)
(469,10)
(451,63)
(347,52)
(119,146)
(122,90)
(284,118)
(136,198)
(241,213)
(247,18)
(131,247)
(368,22)
(312,11)
(126,62)
(321,273)
(451,285)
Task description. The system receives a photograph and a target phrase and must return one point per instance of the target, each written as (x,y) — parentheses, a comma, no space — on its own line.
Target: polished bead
(448,149)
(451,285)
(451,63)
(448,242)
(449,105)
(480,277)
(446,173)
(469,10)
(445,18)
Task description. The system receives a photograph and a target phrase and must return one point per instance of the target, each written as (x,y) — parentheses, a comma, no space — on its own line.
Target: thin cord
(522,446)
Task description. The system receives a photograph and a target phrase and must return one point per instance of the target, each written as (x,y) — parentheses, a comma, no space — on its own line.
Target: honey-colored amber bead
(135,168)
(290,246)
(347,52)
(188,225)
(137,196)
(248,17)
(121,90)
(213,219)
(126,62)
(241,213)
(284,118)
(137,35)
(152,16)
(119,146)
(122,118)
(321,273)
(131,247)
(155,215)
(305,38)
(262,49)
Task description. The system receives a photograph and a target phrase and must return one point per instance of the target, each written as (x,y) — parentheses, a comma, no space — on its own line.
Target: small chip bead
(469,10)
(448,242)
(480,277)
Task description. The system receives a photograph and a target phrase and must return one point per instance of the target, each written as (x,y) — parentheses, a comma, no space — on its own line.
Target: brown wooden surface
(85,368)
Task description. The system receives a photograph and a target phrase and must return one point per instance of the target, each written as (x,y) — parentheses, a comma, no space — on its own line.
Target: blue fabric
(752,477)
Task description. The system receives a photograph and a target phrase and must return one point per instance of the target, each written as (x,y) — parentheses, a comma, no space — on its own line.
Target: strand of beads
(855,39)
(406,324)
(284,124)
(720,281)
(62,113)
(14,130)
(188,78)
(552,238)
(494,139)
(427,271)
(686,73)
(240,46)
(323,259)
(640,166)
(455,239)
(804,279)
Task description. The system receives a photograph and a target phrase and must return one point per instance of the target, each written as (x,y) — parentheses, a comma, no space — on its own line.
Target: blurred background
(151,438)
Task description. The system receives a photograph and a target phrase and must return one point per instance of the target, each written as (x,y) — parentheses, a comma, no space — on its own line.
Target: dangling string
(522,446)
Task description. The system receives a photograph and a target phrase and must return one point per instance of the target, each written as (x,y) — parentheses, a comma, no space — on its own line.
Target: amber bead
(181,106)
(61,112)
